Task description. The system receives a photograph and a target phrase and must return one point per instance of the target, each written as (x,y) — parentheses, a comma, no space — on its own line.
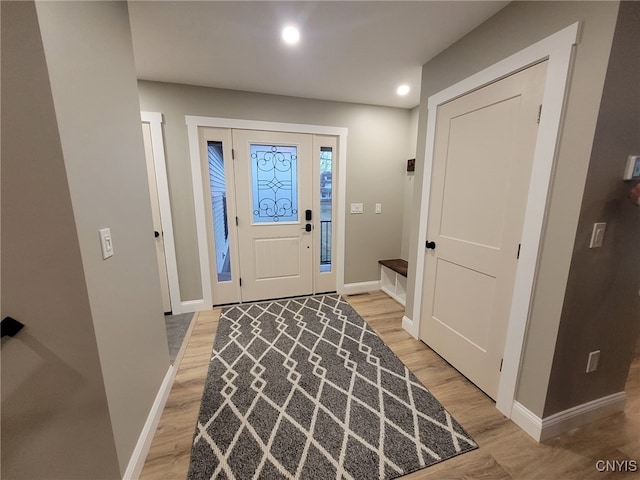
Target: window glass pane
(274,172)
(326,195)
(219,209)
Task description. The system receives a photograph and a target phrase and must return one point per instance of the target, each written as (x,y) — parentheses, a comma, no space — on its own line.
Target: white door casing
(227,149)
(558,49)
(484,148)
(193,124)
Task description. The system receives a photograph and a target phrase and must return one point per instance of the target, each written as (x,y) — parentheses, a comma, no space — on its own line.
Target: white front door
(484,147)
(270,213)
(274,194)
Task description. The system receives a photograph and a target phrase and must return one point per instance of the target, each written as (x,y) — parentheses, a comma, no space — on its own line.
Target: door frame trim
(154,119)
(193,122)
(558,50)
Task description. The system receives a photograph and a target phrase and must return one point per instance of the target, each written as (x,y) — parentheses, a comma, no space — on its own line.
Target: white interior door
(484,147)
(274,190)
(157,223)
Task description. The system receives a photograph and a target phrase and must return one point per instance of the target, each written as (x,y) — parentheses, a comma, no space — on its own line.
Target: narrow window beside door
(326,202)
(219,208)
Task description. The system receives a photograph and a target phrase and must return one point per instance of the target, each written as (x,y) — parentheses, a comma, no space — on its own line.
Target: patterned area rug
(303,388)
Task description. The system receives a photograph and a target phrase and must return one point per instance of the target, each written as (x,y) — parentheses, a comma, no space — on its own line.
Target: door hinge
(236,221)
(518,255)
(501,360)
(233,152)
(240,281)
(539,113)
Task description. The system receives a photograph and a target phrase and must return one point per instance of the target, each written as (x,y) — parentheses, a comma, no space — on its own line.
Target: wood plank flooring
(170,451)
(505,451)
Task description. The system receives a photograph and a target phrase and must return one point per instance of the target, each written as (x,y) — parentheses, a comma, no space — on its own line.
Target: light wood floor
(505,450)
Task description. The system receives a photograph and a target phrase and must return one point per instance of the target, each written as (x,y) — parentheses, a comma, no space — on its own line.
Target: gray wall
(55,415)
(517,26)
(408,186)
(96,328)
(377,149)
(601,307)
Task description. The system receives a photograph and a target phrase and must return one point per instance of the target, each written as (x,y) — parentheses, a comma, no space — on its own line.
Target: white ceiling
(357,51)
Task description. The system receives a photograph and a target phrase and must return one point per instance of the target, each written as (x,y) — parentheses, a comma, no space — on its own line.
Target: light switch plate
(597,235)
(106,243)
(593,361)
(378,208)
(632,169)
(357,208)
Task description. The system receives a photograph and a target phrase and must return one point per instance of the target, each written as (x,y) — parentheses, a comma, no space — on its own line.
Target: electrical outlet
(597,235)
(593,361)
(357,208)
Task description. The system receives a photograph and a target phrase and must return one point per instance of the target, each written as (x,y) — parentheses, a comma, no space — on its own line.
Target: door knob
(431,245)
(10,326)
(156,233)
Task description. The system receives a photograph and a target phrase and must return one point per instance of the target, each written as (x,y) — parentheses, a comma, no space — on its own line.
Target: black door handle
(10,326)
(156,233)
(307,227)
(431,245)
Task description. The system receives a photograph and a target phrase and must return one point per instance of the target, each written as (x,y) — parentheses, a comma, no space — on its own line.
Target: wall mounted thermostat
(632,170)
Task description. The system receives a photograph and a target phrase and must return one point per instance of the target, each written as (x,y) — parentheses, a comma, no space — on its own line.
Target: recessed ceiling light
(291,35)
(403,90)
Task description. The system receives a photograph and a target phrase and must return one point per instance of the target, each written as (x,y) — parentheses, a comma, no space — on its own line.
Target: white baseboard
(410,327)
(189,306)
(542,429)
(526,420)
(361,287)
(582,414)
(139,455)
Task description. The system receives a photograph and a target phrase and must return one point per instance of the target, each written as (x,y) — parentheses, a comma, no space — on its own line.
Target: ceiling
(358,51)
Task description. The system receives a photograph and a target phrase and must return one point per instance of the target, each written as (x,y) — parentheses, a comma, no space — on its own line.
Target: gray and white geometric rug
(303,389)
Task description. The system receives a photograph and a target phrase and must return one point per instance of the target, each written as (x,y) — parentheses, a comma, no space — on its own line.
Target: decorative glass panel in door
(274,174)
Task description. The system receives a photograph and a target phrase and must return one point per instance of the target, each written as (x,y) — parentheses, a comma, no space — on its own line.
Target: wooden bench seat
(397,265)
(393,278)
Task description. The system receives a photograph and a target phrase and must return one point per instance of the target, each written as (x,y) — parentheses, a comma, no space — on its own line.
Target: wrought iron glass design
(274,173)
